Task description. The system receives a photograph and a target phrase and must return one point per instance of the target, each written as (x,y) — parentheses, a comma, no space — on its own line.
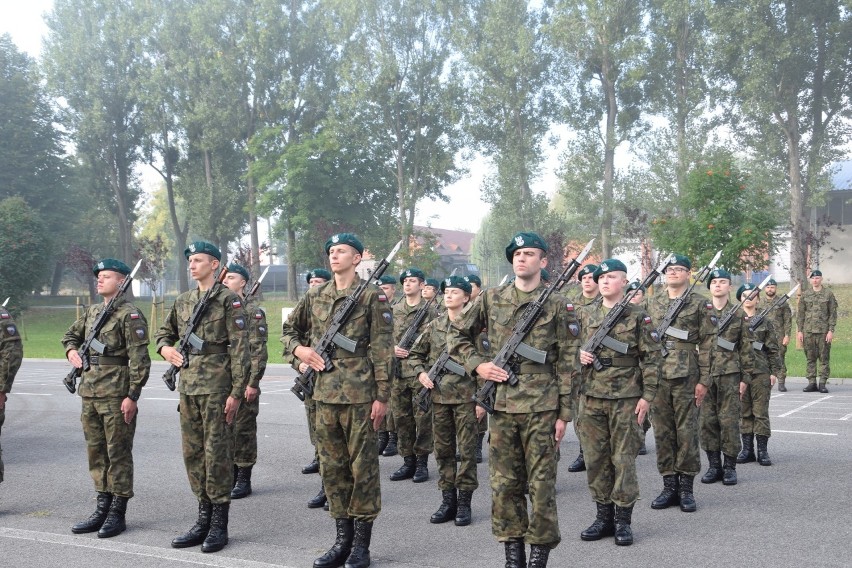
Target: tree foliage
(23,246)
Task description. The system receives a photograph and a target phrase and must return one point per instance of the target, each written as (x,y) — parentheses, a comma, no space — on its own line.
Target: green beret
(198,247)
(111,264)
(459,282)
(588,269)
(718,273)
(744,288)
(545,275)
(636,285)
(239,269)
(474,279)
(318,273)
(815,273)
(771,282)
(524,240)
(433,282)
(412,273)
(387,279)
(609,265)
(344,239)
(680,260)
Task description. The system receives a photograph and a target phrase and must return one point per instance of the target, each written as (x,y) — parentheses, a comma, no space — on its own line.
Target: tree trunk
(291,263)
(798,197)
(56,281)
(609,161)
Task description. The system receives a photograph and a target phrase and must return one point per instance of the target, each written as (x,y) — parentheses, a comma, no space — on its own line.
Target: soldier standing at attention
(675,408)
(245,428)
(730,363)
(351,398)
(211,388)
(387,431)
(782,321)
(640,300)
(484,346)
(430,289)
(413,426)
(530,418)
(11,355)
(614,402)
(815,323)
(110,389)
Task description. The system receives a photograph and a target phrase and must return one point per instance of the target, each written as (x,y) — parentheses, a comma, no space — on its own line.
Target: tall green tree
(24,244)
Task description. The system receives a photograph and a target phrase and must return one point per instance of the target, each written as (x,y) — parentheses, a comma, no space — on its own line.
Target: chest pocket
(214,324)
(111,335)
(627,330)
(358,324)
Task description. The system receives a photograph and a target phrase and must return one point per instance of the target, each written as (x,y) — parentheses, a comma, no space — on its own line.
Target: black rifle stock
(443,365)
(758,319)
(728,317)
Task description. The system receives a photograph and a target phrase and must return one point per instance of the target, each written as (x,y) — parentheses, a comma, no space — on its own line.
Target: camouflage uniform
(574,308)
(817,315)
(522,447)
(245,425)
(767,361)
(121,372)
(349,461)
(606,422)
(782,321)
(11,355)
(219,371)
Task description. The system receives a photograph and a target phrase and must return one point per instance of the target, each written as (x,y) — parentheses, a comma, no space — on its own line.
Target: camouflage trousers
(482,425)
(2,420)
(349,460)
(451,422)
(720,415)
(521,450)
(311,412)
(675,419)
(611,438)
(782,353)
(208,446)
(755,407)
(245,432)
(413,426)
(817,349)
(109,444)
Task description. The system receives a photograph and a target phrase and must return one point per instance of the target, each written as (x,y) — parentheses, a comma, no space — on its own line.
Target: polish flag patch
(134,316)
(647,320)
(383,298)
(237,304)
(569,307)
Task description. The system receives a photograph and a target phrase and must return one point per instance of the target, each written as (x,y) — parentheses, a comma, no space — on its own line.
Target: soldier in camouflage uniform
(640,299)
(413,426)
(388,440)
(211,388)
(245,427)
(614,402)
(110,389)
(729,363)
(454,414)
(484,347)
(755,401)
(674,411)
(11,355)
(351,397)
(530,418)
(815,322)
(782,320)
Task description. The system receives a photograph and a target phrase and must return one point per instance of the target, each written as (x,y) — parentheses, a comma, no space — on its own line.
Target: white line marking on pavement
(800,432)
(811,403)
(136,549)
(33,394)
(847,417)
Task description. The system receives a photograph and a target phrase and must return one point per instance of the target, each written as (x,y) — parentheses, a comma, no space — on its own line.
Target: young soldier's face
(677,276)
(455,298)
(412,286)
(342,258)
(428,292)
(753,302)
(611,284)
(770,290)
(235,282)
(202,265)
(588,284)
(314,282)
(474,291)
(638,297)
(108,282)
(528,261)
(720,287)
(388,289)
(816,282)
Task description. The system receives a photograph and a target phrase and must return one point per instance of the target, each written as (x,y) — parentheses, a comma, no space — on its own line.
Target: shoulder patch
(388,317)
(569,307)
(134,315)
(647,320)
(236,304)
(11,330)
(240,322)
(574,328)
(655,337)
(140,332)
(261,329)
(383,298)
(708,305)
(4,315)
(258,314)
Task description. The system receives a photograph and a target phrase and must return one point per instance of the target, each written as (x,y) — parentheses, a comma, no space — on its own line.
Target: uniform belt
(679,345)
(526,368)
(340,353)
(104,360)
(214,349)
(619,361)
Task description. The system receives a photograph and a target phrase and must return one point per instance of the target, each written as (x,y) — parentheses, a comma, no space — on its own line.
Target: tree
(23,247)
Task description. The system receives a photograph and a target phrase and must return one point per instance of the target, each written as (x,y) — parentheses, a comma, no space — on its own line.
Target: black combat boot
(406,470)
(198,532)
(516,554)
(714,470)
(822,388)
(217,536)
(643,449)
(538,555)
(746,455)
(579,463)
(421,470)
(810,388)
(312,467)
(234,476)
(320,499)
(781,387)
(339,551)
(392,448)
(623,532)
(669,496)
(447,511)
(243,486)
(479,447)
(96,519)
(762,452)
(604,524)
(360,555)
(463,516)
(687,499)
(729,476)
(114,523)
(383,441)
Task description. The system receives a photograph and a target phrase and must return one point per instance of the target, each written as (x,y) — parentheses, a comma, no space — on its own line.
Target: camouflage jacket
(781,318)
(258,333)
(453,389)
(224,330)
(716,359)
(540,387)
(767,355)
(403,316)
(356,377)
(682,359)
(817,311)
(635,374)
(11,350)
(125,335)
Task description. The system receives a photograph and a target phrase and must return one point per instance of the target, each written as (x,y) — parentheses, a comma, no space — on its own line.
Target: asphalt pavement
(792,514)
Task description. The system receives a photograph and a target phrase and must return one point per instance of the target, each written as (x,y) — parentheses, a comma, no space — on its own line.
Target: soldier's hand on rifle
(302,368)
(231,407)
(700,393)
(586,358)
(74,358)
(424,380)
(377,414)
(309,356)
(641,410)
(128,410)
(400,352)
(491,372)
(251,394)
(172,355)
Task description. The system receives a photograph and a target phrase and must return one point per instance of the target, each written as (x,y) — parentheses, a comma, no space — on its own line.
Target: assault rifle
(665,326)
(257,284)
(601,337)
(189,340)
(332,338)
(726,319)
(91,341)
(508,356)
(410,334)
(442,366)
(758,319)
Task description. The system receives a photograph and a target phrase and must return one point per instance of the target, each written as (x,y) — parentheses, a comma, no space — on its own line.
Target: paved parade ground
(795,513)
